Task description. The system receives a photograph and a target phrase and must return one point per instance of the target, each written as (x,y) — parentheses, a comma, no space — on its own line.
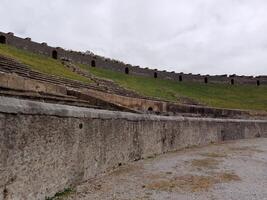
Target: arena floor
(230,171)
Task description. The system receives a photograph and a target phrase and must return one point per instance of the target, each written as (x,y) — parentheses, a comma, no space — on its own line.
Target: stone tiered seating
(102,84)
(9,65)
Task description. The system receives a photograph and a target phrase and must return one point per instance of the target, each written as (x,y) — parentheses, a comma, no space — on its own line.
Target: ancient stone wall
(14,82)
(137,104)
(98,61)
(169,108)
(47,147)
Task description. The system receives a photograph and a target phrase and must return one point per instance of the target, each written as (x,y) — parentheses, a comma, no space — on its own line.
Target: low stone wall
(164,107)
(45,148)
(12,81)
(137,104)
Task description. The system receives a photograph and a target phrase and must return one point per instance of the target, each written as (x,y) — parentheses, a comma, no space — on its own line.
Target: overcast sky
(197,36)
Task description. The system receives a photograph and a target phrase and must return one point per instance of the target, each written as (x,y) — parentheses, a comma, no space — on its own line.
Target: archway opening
(54,54)
(126,70)
(93,64)
(2,39)
(258,83)
(150,109)
(180,78)
(155,75)
(232,81)
(206,80)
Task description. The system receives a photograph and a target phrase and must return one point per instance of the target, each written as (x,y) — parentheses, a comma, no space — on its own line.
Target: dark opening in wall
(93,63)
(126,70)
(206,80)
(150,109)
(5,193)
(258,135)
(232,81)
(2,39)
(54,54)
(258,83)
(155,75)
(180,78)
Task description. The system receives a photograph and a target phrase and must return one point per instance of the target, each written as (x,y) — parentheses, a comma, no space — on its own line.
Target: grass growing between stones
(228,177)
(246,150)
(41,63)
(61,195)
(209,163)
(186,183)
(248,97)
(214,155)
(192,183)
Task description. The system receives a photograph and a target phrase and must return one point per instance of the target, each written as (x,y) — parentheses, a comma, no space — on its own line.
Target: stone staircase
(102,84)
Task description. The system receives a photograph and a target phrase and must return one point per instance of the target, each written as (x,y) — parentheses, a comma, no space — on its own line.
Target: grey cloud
(198,36)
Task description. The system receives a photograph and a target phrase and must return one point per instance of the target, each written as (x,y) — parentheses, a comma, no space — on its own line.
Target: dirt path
(233,171)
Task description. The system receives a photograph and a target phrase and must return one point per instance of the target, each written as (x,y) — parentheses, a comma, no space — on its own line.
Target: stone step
(11,66)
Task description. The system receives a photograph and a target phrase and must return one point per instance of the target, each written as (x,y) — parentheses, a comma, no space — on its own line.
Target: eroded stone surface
(48,147)
(235,170)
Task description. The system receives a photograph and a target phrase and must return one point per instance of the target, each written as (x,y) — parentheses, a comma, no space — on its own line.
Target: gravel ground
(235,170)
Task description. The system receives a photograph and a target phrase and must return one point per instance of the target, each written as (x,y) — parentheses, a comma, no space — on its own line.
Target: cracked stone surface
(234,170)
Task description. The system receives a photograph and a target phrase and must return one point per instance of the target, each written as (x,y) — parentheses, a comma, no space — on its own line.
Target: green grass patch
(61,195)
(249,97)
(41,63)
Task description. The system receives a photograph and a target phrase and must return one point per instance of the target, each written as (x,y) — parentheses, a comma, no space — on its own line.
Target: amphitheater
(68,131)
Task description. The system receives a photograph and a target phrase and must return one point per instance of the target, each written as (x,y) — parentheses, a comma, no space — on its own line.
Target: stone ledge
(19,106)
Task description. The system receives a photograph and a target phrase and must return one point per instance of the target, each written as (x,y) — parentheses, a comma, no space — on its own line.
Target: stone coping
(18,106)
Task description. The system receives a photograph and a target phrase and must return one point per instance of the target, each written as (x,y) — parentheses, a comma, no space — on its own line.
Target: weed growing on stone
(60,195)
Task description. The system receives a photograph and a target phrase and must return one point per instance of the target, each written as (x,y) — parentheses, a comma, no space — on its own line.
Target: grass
(214,155)
(248,97)
(209,163)
(192,183)
(41,63)
(186,183)
(61,195)
(228,177)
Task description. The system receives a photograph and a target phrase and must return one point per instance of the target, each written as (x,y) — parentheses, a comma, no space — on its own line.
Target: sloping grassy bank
(216,95)
(40,63)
